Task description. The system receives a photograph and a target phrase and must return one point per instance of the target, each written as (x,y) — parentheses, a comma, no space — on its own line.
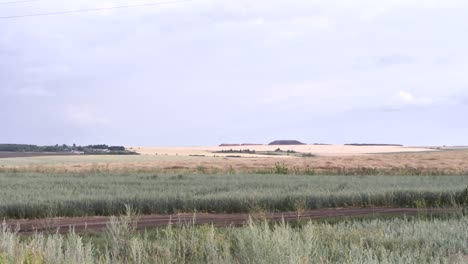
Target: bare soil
(98,224)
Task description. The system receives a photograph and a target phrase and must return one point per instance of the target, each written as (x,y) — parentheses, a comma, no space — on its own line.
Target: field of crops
(38,195)
(366,241)
(426,163)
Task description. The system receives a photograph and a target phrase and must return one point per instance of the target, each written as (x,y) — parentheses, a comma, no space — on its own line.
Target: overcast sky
(232,71)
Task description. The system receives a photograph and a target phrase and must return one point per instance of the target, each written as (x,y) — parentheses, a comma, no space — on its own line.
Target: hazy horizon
(240,143)
(208,72)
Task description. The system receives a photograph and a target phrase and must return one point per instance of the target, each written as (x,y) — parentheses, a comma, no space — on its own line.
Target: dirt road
(98,224)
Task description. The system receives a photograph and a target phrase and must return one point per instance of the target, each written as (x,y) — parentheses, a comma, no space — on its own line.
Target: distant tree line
(19,148)
(244,151)
(90,149)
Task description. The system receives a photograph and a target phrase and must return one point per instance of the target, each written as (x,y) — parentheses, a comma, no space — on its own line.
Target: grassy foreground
(401,240)
(38,195)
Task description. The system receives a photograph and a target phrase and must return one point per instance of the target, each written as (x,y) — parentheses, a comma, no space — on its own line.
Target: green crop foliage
(401,240)
(39,195)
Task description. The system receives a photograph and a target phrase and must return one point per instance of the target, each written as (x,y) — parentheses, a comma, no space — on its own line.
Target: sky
(206,72)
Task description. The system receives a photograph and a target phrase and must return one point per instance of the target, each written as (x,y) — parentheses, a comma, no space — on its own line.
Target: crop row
(38,195)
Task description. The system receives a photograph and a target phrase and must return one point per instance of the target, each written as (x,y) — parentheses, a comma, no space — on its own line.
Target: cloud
(316,98)
(369,11)
(204,58)
(407,100)
(305,91)
(301,26)
(394,60)
(464,100)
(30,91)
(460,99)
(382,62)
(286,27)
(406,96)
(85,115)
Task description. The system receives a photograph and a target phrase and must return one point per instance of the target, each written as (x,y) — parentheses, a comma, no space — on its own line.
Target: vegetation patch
(366,241)
(42,195)
(65,149)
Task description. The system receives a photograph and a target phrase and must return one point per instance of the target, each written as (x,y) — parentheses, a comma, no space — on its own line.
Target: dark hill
(286,142)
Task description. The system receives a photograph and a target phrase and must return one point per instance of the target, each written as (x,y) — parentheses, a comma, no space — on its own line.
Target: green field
(86,159)
(38,195)
(404,240)
(420,239)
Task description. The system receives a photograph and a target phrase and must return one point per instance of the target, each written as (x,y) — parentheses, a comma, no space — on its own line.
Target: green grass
(86,159)
(368,241)
(38,195)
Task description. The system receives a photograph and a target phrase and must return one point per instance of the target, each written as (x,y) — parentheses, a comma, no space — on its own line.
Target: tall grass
(369,241)
(277,168)
(38,195)
(427,164)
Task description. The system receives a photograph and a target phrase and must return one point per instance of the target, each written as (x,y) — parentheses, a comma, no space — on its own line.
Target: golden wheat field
(340,159)
(320,150)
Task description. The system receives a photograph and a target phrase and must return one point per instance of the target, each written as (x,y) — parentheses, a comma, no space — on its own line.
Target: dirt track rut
(98,224)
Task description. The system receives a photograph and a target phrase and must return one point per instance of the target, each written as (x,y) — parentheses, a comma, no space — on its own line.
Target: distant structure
(230,145)
(286,142)
(239,145)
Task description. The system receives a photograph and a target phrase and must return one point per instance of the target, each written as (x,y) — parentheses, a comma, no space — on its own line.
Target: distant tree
(102,146)
(116,148)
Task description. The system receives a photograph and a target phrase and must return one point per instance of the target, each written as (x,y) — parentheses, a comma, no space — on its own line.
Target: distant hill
(286,142)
